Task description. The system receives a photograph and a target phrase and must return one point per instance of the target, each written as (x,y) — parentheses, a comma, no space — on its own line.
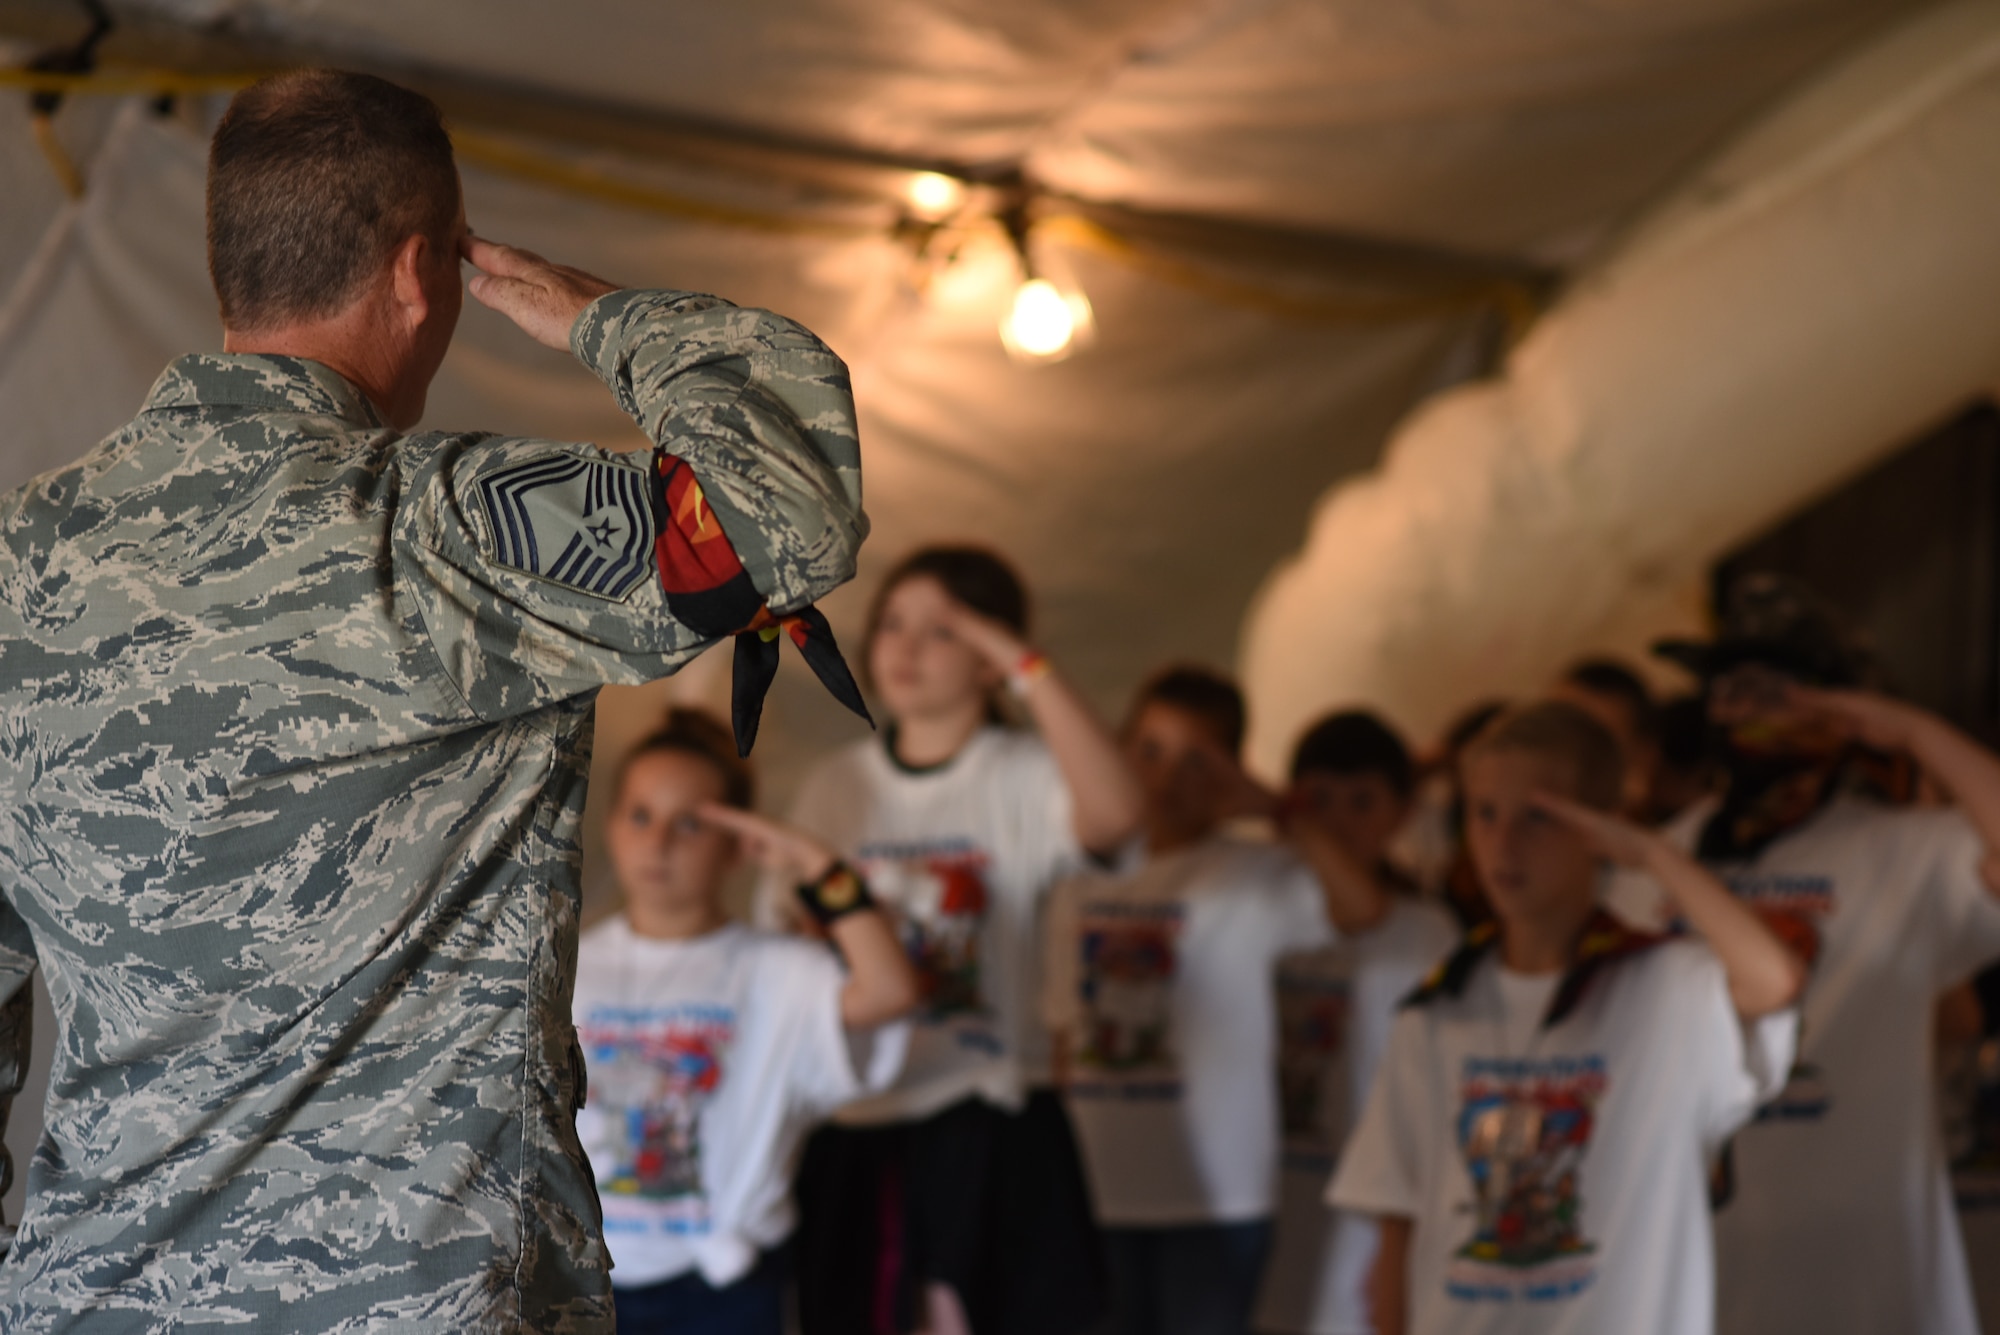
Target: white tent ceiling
(1519,126)
(1147,485)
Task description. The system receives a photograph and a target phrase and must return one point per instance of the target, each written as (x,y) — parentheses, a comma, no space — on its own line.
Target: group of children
(1050,1028)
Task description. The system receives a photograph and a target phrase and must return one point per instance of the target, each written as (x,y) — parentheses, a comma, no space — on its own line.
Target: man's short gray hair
(315,177)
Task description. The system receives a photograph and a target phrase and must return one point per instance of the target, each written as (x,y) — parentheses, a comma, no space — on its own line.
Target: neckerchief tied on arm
(710,592)
(1603,942)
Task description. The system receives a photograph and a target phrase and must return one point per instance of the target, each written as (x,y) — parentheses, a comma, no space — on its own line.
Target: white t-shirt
(1335,1007)
(1161,980)
(709,1060)
(1557,1176)
(961,855)
(1842,1221)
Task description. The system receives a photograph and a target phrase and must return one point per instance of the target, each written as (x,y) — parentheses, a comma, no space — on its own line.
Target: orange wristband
(1021,678)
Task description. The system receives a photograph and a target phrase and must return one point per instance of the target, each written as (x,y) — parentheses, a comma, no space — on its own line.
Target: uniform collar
(262,381)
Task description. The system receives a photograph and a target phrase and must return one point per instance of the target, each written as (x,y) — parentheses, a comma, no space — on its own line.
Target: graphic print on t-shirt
(1128,956)
(652,1072)
(1795,906)
(1313,1004)
(1524,1128)
(937,892)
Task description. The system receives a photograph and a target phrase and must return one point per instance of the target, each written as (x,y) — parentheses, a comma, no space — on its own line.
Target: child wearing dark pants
(688,1304)
(953,1202)
(712,1048)
(1198,1277)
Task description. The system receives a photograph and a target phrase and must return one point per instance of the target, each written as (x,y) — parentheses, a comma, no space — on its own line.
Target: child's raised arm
(1968,771)
(1356,899)
(1104,796)
(881,984)
(1764,973)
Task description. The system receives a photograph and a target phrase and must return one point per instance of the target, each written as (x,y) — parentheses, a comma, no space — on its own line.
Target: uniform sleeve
(1382,1169)
(1964,914)
(536,566)
(1734,1065)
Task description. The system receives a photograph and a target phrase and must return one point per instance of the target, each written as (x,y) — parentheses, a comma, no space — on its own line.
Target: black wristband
(837,893)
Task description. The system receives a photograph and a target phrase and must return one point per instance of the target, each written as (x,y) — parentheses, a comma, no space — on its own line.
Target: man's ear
(407,269)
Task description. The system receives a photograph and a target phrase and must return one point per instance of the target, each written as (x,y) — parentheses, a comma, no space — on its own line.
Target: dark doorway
(1910,552)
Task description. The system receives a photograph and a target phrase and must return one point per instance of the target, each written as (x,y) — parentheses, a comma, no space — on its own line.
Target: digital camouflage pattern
(291,770)
(17,1030)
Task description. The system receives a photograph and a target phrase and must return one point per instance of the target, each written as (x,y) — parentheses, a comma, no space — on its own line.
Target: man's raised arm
(756,405)
(554,567)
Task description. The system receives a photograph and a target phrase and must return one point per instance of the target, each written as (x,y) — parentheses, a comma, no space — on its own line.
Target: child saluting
(713,1048)
(1537,1143)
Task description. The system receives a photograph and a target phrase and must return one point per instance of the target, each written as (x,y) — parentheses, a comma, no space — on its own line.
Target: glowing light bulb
(1041,323)
(933,195)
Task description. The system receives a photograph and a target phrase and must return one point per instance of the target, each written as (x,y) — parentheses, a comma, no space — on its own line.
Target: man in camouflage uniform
(295,714)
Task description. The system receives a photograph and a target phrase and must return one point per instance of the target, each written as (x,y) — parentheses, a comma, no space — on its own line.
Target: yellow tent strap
(1515,300)
(125,83)
(60,161)
(515,159)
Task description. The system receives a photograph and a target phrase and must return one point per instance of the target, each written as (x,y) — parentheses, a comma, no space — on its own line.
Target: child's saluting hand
(1613,837)
(1764,973)
(881,984)
(770,845)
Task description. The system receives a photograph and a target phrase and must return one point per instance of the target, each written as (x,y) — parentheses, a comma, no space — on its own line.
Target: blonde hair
(1565,732)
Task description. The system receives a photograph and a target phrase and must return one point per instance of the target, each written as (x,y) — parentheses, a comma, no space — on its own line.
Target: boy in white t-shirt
(1537,1142)
(1840,1220)
(712,1048)
(1158,991)
(1353,777)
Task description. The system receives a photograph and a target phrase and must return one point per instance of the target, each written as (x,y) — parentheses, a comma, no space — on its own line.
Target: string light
(1042,323)
(1049,317)
(933,196)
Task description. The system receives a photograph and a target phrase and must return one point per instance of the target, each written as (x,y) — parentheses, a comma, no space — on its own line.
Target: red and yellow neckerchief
(709,591)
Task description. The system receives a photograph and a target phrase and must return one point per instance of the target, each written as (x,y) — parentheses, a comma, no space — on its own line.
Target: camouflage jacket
(295,715)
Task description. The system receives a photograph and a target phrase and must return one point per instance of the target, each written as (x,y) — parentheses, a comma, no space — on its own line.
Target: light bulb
(933,195)
(1041,323)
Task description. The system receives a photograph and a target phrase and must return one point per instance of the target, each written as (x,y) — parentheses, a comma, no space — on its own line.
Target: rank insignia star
(583,523)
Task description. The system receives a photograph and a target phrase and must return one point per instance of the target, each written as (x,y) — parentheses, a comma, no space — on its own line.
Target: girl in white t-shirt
(711,1048)
(953,1199)
(1536,1146)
